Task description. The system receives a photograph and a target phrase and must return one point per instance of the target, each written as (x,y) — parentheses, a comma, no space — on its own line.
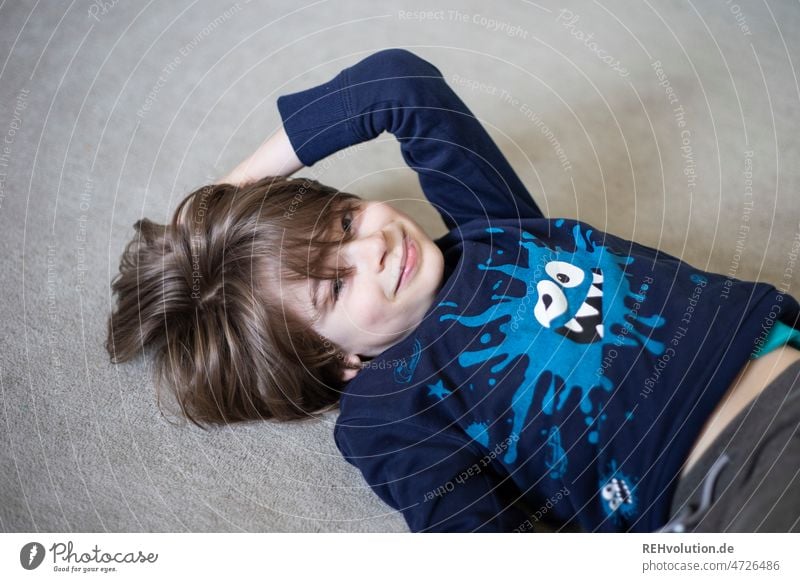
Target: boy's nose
(370,251)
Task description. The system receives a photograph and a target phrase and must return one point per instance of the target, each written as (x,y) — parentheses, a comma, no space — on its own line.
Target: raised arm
(461,170)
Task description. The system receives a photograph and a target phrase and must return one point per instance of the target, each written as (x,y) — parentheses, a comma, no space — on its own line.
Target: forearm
(275,157)
(461,170)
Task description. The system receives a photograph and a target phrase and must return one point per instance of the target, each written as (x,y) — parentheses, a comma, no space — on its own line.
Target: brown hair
(202,292)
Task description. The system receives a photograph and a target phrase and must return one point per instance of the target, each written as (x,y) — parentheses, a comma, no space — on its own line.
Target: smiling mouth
(403,260)
(587,325)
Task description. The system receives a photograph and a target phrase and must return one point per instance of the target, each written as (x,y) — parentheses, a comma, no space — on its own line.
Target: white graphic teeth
(597,277)
(599,328)
(586,310)
(574,325)
(594,292)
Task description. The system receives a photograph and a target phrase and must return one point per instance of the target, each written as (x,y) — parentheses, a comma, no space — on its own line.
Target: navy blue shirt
(562,374)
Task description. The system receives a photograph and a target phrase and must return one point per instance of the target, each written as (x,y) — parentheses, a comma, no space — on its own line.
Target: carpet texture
(674,124)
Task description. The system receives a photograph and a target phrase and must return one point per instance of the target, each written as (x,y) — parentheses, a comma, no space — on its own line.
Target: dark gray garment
(748,480)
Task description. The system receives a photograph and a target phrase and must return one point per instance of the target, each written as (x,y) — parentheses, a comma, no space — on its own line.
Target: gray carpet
(114,111)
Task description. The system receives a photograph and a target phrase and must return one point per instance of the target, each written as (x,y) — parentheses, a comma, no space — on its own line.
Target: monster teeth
(626,493)
(586,310)
(586,326)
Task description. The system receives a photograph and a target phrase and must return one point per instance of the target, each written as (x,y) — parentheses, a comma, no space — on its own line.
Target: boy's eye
(337,288)
(347,222)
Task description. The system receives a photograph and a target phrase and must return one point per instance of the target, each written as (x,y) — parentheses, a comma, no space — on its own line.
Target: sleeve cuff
(317,120)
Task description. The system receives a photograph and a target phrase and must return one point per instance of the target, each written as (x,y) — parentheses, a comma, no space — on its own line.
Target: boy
(518,370)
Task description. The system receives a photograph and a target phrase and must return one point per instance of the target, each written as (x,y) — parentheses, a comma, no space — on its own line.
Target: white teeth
(594,292)
(586,310)
(574,325)
(599,328)
(597,277)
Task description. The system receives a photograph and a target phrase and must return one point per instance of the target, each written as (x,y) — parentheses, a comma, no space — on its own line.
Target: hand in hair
(275,157)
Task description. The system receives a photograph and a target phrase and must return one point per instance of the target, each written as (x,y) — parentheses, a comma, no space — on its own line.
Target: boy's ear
(350,373)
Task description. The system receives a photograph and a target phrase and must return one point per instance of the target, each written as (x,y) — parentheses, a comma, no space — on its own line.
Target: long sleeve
(461,170)
(438,483)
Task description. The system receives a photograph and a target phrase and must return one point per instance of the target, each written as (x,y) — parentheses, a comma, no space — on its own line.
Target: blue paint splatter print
(559,325)
(556,457)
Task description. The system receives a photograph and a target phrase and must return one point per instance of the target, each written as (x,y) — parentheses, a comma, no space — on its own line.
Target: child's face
(397,273)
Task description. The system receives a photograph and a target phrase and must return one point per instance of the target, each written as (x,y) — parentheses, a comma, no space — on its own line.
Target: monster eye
(566,274)
(611,494)
(551,303)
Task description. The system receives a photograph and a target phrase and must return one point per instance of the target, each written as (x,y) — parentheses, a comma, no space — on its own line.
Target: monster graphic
(573,299)
(617,494)
(405,370)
